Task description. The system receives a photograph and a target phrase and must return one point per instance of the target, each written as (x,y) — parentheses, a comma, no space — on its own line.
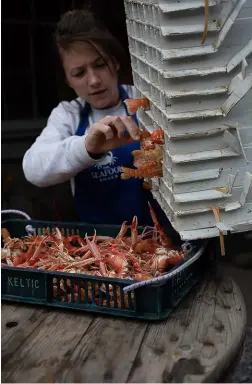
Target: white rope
(168,275)
(16,212)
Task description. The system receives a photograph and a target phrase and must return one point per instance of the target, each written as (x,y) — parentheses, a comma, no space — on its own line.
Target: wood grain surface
(196,343)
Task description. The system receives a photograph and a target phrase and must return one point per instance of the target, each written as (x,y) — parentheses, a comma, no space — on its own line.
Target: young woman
(89,139)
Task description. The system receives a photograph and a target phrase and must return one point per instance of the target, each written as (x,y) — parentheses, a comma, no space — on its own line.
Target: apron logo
(108,160)
(106,170)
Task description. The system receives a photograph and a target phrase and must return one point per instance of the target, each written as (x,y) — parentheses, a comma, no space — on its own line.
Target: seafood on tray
(136,256)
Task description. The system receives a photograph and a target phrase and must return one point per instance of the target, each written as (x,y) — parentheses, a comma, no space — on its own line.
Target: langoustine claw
(134,233)
(149,140)
(132,105)
(142,157)
(148,170)
(165,241)
(96,253)
(148,160)
(122,232)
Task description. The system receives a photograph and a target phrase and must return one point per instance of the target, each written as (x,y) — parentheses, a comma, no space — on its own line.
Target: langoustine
(118,257)
(148,160)
(132,105)
(149,169)
(135,256)
(142,157)
(148,165)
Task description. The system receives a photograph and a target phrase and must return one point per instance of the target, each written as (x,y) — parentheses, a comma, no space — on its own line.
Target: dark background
(31,89)
(29,64)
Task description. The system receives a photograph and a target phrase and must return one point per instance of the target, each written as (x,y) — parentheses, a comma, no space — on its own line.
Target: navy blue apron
(101,196)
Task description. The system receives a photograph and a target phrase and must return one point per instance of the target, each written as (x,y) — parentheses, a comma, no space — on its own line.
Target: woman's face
(93,79)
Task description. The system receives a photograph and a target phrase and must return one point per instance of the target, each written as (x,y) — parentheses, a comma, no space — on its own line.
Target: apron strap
(125,96)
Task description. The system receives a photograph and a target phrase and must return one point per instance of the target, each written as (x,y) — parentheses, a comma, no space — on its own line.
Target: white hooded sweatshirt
(58,154)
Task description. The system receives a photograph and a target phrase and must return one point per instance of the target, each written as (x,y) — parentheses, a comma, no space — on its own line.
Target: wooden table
(196,343)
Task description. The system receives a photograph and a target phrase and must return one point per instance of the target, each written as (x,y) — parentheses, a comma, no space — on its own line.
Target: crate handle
(168,275)
(29,229)
(16,211)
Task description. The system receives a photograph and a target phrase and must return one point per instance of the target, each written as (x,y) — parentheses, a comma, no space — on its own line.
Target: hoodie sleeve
(57,155)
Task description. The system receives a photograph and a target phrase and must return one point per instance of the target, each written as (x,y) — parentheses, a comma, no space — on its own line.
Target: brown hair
(81,26)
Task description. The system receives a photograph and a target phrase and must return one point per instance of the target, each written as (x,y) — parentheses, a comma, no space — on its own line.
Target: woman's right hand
(109,133)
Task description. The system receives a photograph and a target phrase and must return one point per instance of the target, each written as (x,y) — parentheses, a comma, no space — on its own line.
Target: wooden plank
(169,48)
(203,87)
(18,322)
(181,186)
(232,47)
(198,196)
(188,29)
(46,347)
(214,232)
(228,23)
(194,344)
(222,180)
(211,141)
(237,94)
(243,53)
(228,162)
(198,341)
(201,217)
(171,73)
(202,155)
(105,354)
(181,6)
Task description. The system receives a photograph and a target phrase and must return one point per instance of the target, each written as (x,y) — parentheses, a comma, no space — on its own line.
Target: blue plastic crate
(100,294)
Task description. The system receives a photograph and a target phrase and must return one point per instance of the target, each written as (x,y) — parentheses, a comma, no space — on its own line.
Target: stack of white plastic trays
(201,97)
